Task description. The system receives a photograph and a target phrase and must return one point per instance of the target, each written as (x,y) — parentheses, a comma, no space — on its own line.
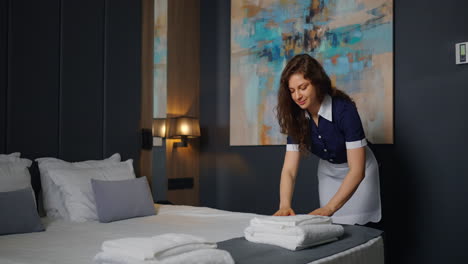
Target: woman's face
(303,92)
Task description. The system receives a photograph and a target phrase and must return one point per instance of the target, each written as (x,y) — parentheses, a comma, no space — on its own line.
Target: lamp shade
(184,126)
(160,127)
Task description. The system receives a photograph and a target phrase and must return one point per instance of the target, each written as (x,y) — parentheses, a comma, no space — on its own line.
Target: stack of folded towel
(163,249)
(293,232)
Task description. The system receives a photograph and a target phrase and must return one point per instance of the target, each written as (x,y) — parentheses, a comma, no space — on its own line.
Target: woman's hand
(288,179)
(284,212)
(325,211)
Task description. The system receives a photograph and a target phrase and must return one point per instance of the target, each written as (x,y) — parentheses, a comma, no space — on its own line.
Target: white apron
(364,205)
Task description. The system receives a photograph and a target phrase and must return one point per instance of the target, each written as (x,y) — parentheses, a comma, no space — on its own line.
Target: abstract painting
(160,59)
(353,39)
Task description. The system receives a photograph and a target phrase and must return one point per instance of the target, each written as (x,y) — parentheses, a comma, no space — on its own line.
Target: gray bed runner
(243,251)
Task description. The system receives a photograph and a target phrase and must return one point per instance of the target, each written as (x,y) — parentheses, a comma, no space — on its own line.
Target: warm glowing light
(184,128)
(159,127)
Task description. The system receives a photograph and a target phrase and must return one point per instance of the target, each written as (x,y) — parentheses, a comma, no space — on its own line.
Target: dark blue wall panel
(3,71)
(123,77)
(70,78)
(82,79)
(33,71)
(429,186)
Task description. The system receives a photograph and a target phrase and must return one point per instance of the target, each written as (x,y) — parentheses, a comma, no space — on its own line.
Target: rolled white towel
(296,237)
(292,220)
(157,247)
(201,256)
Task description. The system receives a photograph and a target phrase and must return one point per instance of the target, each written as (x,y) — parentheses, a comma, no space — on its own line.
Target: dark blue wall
(423,175)
(70,78)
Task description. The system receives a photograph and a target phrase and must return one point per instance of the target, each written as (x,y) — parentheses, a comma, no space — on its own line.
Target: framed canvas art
(160,59)
(353,39)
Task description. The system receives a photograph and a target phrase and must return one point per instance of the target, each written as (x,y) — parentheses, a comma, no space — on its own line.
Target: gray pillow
(117,200)
(19,214)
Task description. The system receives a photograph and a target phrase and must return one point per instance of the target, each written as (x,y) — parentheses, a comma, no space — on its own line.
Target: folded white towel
(296,237)
(292,220)
(157,247)
(201,256)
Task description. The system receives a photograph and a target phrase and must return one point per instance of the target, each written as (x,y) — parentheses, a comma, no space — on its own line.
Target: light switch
(460,53)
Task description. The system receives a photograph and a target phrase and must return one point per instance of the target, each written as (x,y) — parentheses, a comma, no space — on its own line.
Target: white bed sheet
(72,243)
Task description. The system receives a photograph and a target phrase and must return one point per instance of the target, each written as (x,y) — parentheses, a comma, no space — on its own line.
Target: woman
(321,119)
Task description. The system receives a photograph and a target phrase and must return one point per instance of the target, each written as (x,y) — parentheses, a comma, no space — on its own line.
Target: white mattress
(72,243)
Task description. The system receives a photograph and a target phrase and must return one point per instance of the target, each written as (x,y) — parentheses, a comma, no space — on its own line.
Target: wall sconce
(183,127)
(160,127)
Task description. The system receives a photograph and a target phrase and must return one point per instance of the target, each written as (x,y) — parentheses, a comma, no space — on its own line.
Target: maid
(321,119)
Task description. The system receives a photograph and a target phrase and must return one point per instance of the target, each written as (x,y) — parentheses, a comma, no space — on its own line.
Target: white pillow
(75,186)
(15,175)
(52,198)
(10,157)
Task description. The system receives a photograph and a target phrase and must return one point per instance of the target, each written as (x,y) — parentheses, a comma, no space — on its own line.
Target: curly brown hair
(291,118)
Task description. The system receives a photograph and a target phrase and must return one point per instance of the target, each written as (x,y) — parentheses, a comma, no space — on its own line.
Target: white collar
(325,109)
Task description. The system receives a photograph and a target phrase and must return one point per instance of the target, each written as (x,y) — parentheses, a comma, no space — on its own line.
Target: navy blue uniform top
(339,128)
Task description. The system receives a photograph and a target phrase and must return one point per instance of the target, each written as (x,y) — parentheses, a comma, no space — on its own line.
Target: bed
(90,202)
(72,243)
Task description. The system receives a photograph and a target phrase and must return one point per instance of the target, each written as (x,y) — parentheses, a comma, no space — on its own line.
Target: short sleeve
(291,144)
(352,127)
